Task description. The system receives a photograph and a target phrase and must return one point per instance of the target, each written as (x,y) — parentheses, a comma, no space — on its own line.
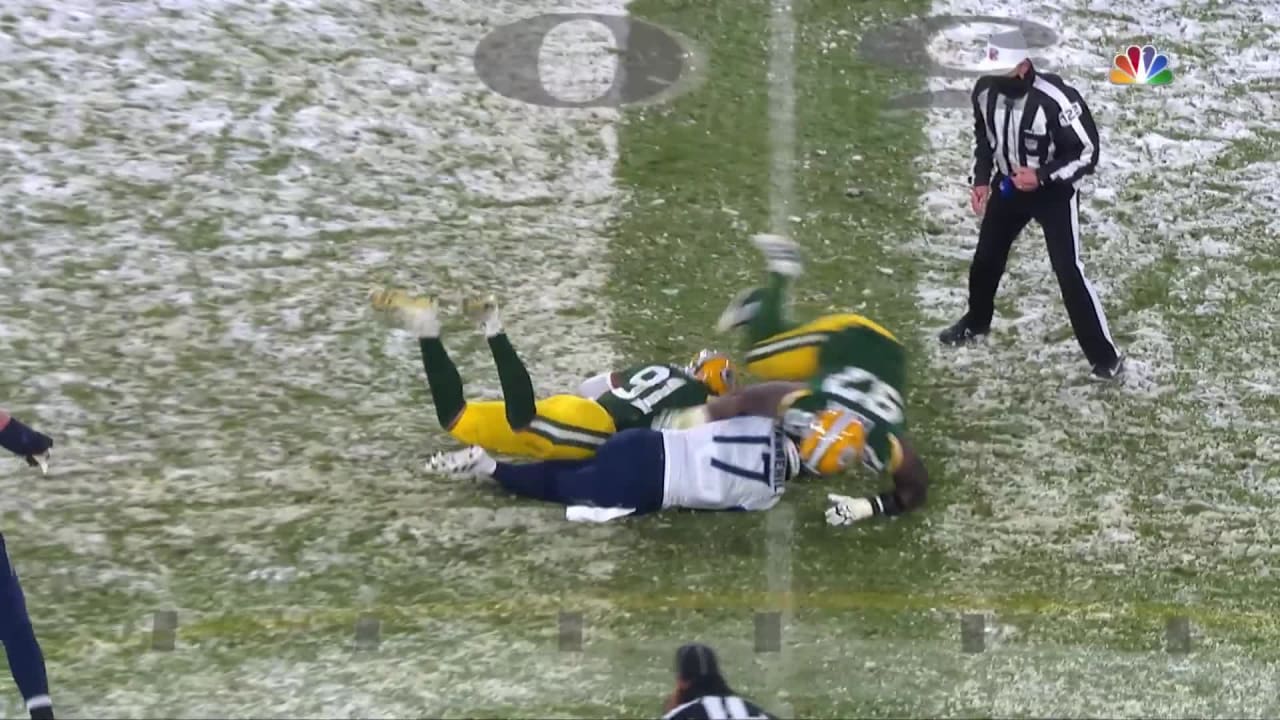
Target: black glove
(19,439)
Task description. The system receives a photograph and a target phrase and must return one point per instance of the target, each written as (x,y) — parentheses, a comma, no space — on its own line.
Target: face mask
(1014,86)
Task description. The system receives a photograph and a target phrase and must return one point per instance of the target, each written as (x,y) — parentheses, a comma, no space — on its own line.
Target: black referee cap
(696,661)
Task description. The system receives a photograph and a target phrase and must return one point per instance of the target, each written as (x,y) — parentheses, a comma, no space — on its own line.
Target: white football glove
(847,510)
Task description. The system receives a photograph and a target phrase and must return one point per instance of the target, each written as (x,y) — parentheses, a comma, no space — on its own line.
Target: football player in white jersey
(739,463)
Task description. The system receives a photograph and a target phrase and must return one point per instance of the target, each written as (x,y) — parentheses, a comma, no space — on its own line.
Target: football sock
(443,379)
(517,388)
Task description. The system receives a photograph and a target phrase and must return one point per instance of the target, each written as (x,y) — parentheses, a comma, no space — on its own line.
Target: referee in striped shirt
(702,693)
(26,661)
(1034,139)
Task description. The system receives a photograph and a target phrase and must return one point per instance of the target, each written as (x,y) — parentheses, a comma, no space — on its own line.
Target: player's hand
(847,510)
(978,198)
(27,443)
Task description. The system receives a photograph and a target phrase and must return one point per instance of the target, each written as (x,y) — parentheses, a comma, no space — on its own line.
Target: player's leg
(761,312)
(777,347)
(420,316)
(627,472)
(517,386)
(562,427)
(569,427)
(472,423)
(26,661)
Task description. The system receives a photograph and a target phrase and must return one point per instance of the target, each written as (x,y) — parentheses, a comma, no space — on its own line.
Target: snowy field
(198,195)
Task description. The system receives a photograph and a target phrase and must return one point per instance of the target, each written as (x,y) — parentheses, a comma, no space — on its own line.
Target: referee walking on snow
(1034,139)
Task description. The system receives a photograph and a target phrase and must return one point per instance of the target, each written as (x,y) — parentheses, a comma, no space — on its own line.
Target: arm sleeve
(1075,139)
(982,150)
(764,400)
(910,483)
(596,385)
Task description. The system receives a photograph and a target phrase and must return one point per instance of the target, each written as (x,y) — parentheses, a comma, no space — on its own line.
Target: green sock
(771,318)
(443,379)
(517,388)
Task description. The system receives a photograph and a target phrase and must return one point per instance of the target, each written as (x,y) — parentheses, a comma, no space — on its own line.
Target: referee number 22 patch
(1069,115)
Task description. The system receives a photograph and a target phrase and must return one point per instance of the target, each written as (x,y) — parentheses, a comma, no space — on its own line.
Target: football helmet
(829,442)
(715,370)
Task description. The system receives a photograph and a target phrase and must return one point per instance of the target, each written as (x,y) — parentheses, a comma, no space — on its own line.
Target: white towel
(586,513)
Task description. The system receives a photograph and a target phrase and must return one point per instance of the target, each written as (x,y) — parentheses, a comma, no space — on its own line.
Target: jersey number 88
(863,390)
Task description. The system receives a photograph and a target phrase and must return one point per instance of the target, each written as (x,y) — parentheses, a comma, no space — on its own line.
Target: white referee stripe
(1093,294)
(780,528)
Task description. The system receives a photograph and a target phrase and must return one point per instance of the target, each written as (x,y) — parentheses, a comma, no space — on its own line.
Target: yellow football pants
(793,355)
(567,427)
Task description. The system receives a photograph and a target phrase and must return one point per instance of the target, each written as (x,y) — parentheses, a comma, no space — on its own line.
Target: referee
(26,661)
(702,693)
(1034,139)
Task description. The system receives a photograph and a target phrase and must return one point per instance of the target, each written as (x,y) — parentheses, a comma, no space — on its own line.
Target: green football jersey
(862,371)
(640,393)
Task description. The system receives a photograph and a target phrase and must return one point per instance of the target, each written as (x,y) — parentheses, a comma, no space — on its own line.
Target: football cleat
(418,315)
(483,311)
(742,308)
(41,461)
(1109,372)
(961,334)
(715,370)
(829,442)
(472,462)
(781,254)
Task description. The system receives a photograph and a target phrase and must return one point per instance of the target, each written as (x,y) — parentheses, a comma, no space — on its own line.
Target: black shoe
(961,333)
(1109,372)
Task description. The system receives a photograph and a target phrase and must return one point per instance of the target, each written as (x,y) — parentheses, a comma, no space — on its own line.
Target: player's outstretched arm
(910,480)
(764,400)
(21,440)
(910,489)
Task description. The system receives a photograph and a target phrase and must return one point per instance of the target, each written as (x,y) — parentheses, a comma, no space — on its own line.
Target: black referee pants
(1055,209)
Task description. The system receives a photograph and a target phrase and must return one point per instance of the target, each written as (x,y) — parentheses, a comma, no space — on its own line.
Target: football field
(199,193)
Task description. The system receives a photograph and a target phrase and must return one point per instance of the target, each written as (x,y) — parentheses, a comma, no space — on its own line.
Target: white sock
(492,325)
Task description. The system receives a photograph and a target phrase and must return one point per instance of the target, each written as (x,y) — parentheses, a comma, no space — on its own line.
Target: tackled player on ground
(559,427)
(839,382)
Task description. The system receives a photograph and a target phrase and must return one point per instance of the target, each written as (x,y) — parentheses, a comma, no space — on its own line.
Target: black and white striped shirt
(718,707)
(1049,129)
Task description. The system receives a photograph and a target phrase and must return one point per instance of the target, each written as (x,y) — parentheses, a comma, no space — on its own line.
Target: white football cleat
(472,462)
(483,311)
(781,254)
(41,461)
(418,315)
(741,309)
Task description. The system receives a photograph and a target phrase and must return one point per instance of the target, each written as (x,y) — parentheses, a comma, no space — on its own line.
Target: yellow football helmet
(831,441)
(715,370)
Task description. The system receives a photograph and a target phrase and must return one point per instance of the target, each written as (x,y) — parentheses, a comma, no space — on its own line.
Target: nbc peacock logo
(1141,66)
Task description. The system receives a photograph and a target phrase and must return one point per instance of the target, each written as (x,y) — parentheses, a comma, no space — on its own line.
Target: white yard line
(780,523)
